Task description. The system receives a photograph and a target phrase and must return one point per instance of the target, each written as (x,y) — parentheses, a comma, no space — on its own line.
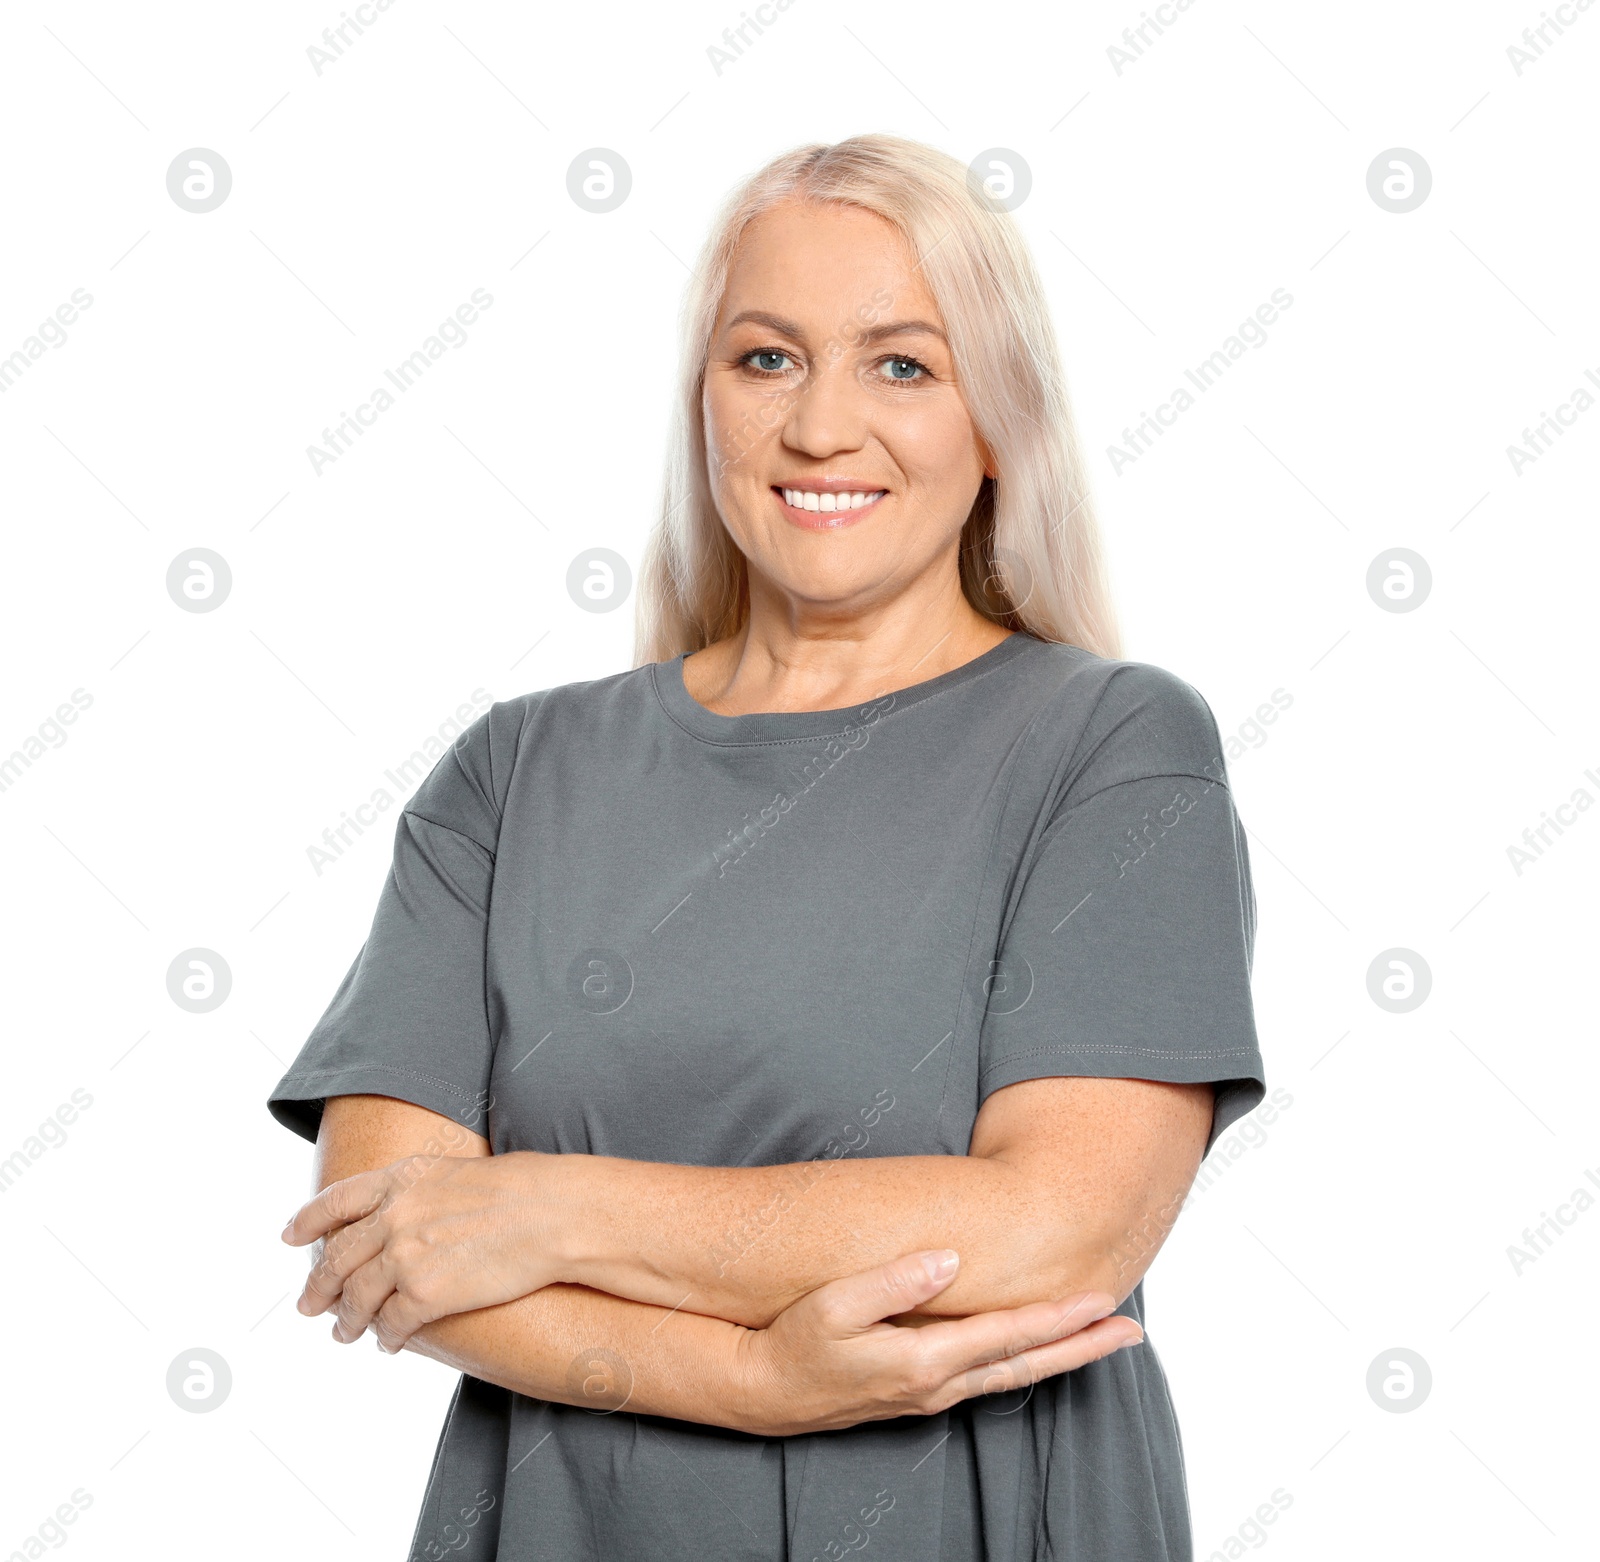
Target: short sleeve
(410,1019)
(1129,945)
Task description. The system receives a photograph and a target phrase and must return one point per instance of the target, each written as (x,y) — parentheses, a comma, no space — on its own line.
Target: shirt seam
(816,737)
(304,1077)
(992,860)
(1154,775)
(1121,1051)
(440,825)
(494,873)
(1058,821)
(1100,699)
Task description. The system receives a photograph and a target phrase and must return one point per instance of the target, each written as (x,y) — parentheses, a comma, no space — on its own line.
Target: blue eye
(903,371)
(763,358)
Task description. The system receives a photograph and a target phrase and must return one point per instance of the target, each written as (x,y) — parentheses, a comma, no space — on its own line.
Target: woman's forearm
(827,1363)
(742,1243)
(1071,1185)
(581,1347)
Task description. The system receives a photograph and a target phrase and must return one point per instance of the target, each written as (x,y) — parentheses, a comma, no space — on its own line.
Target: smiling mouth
(826,503)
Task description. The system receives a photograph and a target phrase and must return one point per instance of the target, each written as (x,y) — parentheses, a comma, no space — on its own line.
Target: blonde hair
(1030,548)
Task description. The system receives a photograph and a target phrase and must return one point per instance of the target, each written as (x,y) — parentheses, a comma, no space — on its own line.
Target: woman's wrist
(722,1373)
(555,1214)
(573,1214)
(749,1388)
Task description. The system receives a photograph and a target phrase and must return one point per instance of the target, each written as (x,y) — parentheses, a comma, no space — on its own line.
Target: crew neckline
(776,726)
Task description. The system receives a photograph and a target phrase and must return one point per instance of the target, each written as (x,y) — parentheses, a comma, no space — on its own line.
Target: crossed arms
(770,1299)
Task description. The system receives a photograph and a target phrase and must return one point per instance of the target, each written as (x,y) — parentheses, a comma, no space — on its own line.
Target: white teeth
(805,499)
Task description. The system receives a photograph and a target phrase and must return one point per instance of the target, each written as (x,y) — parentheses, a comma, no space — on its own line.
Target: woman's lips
(821,508)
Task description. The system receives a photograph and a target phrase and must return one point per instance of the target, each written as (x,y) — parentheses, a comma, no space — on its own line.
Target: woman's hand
(831,1360)
(426,1237)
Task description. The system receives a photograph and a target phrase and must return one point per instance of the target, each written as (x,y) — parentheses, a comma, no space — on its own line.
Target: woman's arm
(1071,1184)
(533,1344)
(828,1361)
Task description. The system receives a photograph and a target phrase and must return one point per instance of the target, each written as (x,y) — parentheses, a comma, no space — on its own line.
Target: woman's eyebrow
(902,328)
(796,333)
(772,322)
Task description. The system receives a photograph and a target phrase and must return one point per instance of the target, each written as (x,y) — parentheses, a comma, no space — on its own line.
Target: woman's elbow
(1051,1265)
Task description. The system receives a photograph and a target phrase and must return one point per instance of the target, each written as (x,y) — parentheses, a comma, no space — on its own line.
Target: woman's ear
(991,467)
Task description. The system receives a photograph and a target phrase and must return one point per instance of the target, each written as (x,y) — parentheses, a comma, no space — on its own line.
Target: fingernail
(288,1229)
(941,1266)
(1138,1339)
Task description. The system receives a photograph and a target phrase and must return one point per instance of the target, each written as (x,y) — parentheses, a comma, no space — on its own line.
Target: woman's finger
(962,1344)
(365,1293)
(400,1316)
(342,1254)
(337,1205)
(1078,1349)
(858,1302)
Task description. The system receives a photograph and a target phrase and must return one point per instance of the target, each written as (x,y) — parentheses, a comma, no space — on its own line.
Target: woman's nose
(830,413)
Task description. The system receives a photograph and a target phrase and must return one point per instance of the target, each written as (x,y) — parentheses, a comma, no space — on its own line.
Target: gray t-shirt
(619,923)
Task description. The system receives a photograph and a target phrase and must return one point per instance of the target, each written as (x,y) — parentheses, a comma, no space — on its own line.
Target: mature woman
(772,1069)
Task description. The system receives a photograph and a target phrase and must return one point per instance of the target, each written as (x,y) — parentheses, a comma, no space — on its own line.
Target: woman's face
(829,375)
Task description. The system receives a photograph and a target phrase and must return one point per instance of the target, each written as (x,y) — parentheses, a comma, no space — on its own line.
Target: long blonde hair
(1030,548)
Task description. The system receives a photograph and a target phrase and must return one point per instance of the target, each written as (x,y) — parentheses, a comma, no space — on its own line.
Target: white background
(370,601)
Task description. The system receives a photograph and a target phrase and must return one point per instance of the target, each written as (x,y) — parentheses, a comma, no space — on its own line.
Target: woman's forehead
(820,265)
